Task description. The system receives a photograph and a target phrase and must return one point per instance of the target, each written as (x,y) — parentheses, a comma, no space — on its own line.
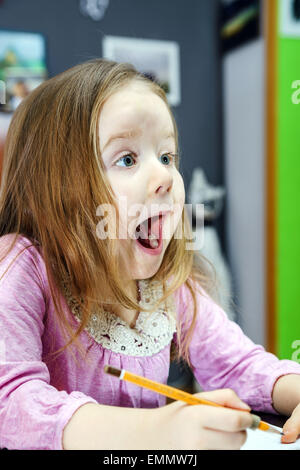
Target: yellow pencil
(177,394)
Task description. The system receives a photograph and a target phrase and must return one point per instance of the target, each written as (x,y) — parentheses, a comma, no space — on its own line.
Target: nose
(160,180)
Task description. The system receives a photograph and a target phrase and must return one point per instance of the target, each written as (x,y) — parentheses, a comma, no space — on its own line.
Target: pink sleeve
(223,357)
(33,413)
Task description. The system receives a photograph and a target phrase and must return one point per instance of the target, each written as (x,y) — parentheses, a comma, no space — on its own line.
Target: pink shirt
(38,396)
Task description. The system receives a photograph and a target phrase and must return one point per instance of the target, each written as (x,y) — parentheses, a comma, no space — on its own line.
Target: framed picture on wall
(22,65)
(22,68)
(158,60)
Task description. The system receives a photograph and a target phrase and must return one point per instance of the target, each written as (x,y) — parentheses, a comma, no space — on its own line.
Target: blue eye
(167,158)
(127,159)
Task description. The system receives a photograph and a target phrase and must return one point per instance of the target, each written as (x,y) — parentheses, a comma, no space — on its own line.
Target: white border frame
(152,46)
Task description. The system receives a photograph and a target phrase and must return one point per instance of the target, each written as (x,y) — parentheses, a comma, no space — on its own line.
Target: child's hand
(286,401)
(291,427)
(184,426)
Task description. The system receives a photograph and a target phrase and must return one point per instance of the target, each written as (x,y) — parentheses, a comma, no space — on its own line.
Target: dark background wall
(73,38)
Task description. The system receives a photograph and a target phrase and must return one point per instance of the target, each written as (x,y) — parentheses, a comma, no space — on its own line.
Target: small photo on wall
(22,65)
(158,60)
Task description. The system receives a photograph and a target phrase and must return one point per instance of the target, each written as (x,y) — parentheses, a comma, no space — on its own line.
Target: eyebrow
(134,133)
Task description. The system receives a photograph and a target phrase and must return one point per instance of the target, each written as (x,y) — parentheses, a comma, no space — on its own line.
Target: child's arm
(286,394)
(32,412)
(174,426)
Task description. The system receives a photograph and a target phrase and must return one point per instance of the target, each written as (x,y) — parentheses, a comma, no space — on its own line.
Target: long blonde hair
(53,181)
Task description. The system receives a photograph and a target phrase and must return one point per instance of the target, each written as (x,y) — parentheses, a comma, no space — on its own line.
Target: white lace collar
(151,333)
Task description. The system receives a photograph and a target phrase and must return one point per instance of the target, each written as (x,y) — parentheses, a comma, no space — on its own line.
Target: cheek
(127,199)
(122,188)
(179,194)
(180,199)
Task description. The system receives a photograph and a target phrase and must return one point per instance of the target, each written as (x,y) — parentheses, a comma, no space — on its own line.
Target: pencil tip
(276,431)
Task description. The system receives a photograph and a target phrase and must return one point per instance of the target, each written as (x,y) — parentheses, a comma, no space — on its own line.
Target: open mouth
(149,233)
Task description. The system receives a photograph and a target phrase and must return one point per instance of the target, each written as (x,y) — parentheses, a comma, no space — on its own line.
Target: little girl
(95,270)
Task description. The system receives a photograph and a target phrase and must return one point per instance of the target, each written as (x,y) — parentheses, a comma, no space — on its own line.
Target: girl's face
(138,151)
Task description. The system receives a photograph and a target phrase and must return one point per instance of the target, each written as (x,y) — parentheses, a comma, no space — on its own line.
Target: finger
(225,397)
(220,440)
(291,429)
(224,419)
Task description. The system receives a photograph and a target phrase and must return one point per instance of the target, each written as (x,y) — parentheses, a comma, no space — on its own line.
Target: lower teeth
(154,243)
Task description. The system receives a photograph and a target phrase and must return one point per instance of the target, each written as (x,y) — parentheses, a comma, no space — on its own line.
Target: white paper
(264,440)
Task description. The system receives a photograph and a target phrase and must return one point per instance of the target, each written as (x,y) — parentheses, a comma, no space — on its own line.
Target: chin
(145,269)
(145,272)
